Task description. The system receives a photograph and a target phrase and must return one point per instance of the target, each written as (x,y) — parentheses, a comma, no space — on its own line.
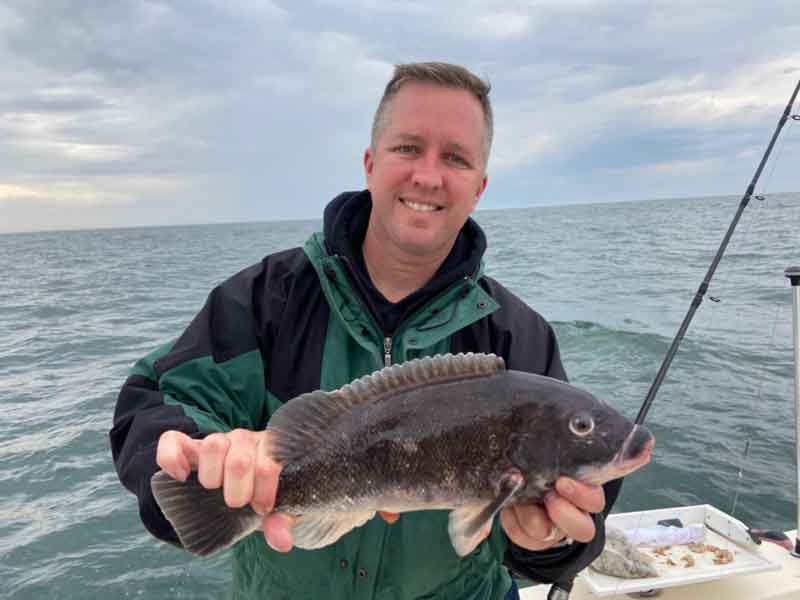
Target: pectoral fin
(469,525)
(317,530)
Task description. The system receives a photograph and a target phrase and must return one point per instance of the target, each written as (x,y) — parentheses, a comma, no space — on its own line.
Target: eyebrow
(409,137)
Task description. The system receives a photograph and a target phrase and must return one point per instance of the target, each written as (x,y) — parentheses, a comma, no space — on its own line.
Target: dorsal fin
(305,422)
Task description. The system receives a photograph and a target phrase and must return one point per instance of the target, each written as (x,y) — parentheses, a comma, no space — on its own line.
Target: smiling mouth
(422,207)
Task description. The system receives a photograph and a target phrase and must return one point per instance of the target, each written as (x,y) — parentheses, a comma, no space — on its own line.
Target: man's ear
(481,188)
(368,161)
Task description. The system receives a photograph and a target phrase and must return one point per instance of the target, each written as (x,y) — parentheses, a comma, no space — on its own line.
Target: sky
(128,113)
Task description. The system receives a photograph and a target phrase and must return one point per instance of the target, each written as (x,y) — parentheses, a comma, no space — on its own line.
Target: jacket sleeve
(528,343)
(210,379)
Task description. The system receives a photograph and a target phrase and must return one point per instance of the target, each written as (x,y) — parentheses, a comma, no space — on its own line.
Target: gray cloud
(159,112)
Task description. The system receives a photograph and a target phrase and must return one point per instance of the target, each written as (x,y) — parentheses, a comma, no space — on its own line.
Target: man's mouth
(419,206)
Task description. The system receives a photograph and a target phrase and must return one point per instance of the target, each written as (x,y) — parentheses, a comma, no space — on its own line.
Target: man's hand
(564,513)
(238,463)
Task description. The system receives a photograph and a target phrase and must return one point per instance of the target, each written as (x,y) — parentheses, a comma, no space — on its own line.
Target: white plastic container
(722,531)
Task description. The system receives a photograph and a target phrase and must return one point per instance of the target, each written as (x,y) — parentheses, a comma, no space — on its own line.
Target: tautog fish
(455,432)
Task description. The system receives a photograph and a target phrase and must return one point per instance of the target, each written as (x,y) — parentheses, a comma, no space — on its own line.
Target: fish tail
(200,517)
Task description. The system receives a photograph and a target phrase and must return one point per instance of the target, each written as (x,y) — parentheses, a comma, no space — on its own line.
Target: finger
(211,460)
(533,521)
(590,498)
(265,485)
(176,454)
(555,535)
(278,531)
(570,519)
(527,528)
(510,524)
(389,517)
(240,462)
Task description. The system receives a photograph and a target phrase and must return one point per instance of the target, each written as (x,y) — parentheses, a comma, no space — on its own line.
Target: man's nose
(427,174)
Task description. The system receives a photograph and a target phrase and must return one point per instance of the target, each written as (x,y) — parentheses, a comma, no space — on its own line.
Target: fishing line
(756,214)
(738,312)
(744,244)
(753,218)
(778,152)
(739,478)
(745,461)
(754,402)
(745,240)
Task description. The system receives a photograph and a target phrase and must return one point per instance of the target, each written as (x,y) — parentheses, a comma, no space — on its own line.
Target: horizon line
(306,219)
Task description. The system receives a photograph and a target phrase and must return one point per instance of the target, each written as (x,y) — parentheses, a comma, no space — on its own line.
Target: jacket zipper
(387,340)
(387,352)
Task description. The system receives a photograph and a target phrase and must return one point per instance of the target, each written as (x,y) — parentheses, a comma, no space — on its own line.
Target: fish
(621,558)
(456,432)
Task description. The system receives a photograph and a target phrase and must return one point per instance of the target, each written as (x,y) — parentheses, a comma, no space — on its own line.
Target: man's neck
(397,276)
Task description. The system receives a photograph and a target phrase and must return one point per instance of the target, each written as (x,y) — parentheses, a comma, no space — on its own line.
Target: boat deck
(783,584)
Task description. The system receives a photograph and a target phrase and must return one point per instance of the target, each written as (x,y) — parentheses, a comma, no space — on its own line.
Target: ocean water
(78,308)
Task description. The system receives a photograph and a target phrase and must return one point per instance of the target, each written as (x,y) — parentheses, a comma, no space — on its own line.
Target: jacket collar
(439,317)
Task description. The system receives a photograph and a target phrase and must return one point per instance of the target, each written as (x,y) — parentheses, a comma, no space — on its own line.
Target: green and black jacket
(308,318)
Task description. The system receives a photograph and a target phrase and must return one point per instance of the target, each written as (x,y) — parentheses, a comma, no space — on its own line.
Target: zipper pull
(387,352)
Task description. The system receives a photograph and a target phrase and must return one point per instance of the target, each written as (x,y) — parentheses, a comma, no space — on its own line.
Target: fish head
(565,431)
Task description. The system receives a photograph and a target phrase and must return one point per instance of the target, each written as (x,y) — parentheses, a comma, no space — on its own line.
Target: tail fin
(200,517)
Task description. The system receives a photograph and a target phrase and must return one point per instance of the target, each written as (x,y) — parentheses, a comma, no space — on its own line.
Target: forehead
(425,109)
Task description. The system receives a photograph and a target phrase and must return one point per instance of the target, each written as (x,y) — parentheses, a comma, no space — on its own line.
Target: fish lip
(635,451)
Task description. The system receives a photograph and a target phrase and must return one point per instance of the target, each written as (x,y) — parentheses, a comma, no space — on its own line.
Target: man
(397,274)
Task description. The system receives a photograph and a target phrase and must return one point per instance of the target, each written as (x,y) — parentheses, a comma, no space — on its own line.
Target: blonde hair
(439,73)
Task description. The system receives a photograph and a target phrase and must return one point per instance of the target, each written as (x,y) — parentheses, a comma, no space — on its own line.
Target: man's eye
(456,158)
(406,149)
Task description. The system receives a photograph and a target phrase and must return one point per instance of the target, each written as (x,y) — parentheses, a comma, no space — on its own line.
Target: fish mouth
(634,454)
(635,450)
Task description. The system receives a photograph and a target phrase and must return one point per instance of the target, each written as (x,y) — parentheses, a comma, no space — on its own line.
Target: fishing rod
(701,291)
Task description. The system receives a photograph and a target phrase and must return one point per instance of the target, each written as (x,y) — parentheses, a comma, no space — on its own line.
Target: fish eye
(581,425)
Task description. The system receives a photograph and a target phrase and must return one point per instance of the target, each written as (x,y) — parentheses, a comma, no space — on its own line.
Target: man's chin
(421,246)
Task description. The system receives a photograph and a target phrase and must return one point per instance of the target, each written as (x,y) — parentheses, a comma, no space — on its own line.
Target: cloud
(154,111)
(515,148)
(392,8)
(699,99)
(501,25)
(681,168)
(86,192)
(339,67)
(681,121)
(76,194)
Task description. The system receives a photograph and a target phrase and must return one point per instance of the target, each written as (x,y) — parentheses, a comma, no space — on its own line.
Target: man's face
(427,172)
